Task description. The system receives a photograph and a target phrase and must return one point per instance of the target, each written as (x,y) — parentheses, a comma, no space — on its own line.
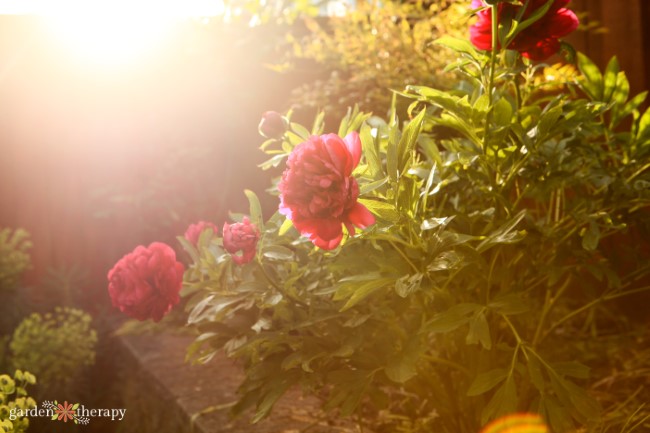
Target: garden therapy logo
(74,412)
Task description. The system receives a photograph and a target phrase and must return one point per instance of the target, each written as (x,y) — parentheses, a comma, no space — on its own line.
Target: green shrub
(55,346)
(13,399)
(14,258)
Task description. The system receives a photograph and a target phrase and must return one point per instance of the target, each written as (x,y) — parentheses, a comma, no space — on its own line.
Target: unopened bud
(272,125)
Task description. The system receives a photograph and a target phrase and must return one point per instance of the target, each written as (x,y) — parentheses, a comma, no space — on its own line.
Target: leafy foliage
(54,345)
(375,47)
(509,218)
(14,256)
(14,400)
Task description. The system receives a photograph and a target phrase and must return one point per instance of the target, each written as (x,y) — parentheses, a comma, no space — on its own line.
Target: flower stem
(493,56)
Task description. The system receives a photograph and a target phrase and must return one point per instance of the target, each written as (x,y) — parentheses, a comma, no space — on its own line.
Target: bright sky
(111,32)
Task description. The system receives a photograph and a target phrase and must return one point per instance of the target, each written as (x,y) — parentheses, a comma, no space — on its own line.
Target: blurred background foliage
(373,48)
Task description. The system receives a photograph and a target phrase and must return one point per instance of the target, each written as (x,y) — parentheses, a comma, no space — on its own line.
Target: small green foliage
(14,258)
(14,401)
(55,346)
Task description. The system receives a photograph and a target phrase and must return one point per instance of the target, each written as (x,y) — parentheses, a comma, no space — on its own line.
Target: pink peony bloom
(318,192)
(537,42)
(146,282)
(241,237)
(194,231)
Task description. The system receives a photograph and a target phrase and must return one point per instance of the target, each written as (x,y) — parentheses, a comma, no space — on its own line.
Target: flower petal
(563,22)
(353,143)
(360,216)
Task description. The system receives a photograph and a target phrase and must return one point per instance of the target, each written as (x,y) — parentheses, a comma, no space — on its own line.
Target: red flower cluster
(194,231)
(537,42)
(146,282)
(318,192)
(241,237)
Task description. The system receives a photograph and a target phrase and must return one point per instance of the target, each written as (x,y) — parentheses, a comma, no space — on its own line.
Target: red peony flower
(194,231)
(272,125)
(537,42)
(318,192)
(145,283)
(241,237)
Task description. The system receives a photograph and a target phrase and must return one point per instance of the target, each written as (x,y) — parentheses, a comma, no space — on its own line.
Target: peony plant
(499,227)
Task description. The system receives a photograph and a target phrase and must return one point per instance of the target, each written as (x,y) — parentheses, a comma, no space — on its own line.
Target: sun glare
(119,32)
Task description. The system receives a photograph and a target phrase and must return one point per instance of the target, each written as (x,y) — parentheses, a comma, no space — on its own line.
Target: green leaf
(535,373)
(459,45)
(591,237)
(502,402)
(255,208)
(519,26)
(408,140)
(277,389)
(408,284)
(402,367)
(370,152)
(610,79)
(504,234)
(479,331)
(278,252)
(287,224)
(369,187)
(383,210)
(300,131)
(509,304)
(451,319)
(502,114)
(593,79)
(547,121)
(558,416)
(486,381)
(356,291)
(572,369)
(392,156)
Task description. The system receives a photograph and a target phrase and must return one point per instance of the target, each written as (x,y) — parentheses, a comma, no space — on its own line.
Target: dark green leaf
(486,381)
